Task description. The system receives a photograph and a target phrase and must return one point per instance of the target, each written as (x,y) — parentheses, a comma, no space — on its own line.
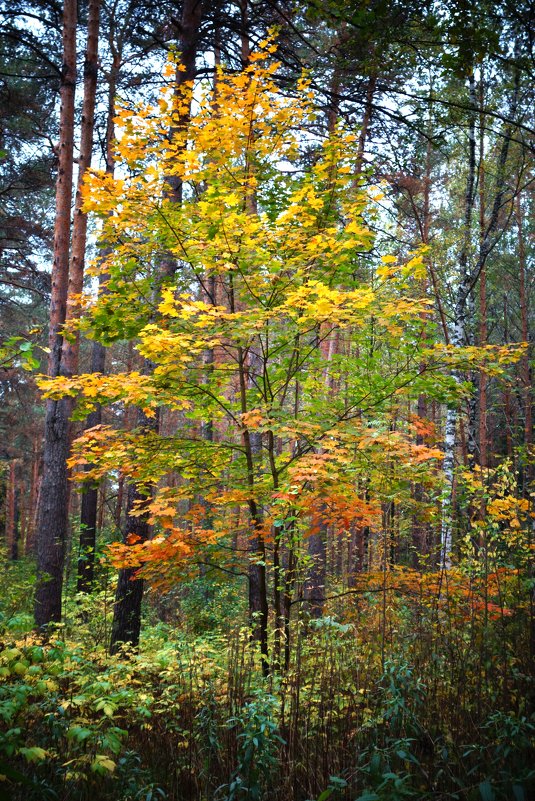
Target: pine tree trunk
(366,120)
(12,511)
(126,625)
(317,574)
(69,358)
(29,543)
(509,425)
(52,515)
(89,501)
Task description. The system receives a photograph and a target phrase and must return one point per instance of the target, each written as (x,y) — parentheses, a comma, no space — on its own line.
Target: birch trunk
(483,333)
(458,339)
(525,364)
(467,281)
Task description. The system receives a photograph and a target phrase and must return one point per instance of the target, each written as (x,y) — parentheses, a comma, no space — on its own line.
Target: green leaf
(78,733)
(34,754)
(336,783)
(486,792)
(102,764)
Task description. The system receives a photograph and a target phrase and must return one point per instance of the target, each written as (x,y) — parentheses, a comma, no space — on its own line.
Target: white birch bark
(458,339)
(467,281)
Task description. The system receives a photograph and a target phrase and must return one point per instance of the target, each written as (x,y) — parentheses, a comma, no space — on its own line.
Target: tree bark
(12,511)
(258,599)
(458,339)
(53,506)
(483,333)
(420,528)
(129,596)
(509,424)
(35,482)
(315,582)
(89,502)
(69,358)
(525,363)
(126,625)
(366,120)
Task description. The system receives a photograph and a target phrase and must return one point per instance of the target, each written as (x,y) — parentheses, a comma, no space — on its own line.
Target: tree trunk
(420,528)
(55,487)
(317,574)
(53,506)
(458,340)
(89,503)
(29,543)
(188,33)
(525,363)
(127,611)
(366,120)
(509,425)
(126,625)
(69,358)
(12,511)
(483,333)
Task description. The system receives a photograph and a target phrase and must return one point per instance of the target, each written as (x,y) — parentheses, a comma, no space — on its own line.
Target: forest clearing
(266,350)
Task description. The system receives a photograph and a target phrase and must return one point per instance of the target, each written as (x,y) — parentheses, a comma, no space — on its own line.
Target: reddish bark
(12,511)
(52,515)
(69,360)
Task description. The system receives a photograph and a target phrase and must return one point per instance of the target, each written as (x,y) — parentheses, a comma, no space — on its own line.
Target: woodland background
(266,469)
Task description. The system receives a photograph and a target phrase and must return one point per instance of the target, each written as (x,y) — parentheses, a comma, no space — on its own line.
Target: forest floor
(404,690)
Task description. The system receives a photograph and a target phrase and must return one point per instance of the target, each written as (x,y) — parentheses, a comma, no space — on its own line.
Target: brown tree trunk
(89,501)
(366,120)
(53,506)
(126,625)
(35,481)
(188,34)
(509,425)
(12,511)
(258,599)
(315,582)
(69,358)
(127,611)
(490,232)
(317,574)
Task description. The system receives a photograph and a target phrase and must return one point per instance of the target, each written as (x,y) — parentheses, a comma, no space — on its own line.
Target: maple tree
(304,390)
(314,339)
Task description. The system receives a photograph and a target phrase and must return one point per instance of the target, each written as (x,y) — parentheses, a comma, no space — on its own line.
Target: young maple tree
(283,343)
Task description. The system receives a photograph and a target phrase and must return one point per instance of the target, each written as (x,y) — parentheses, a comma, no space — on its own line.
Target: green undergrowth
(383,703)
(192,718)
